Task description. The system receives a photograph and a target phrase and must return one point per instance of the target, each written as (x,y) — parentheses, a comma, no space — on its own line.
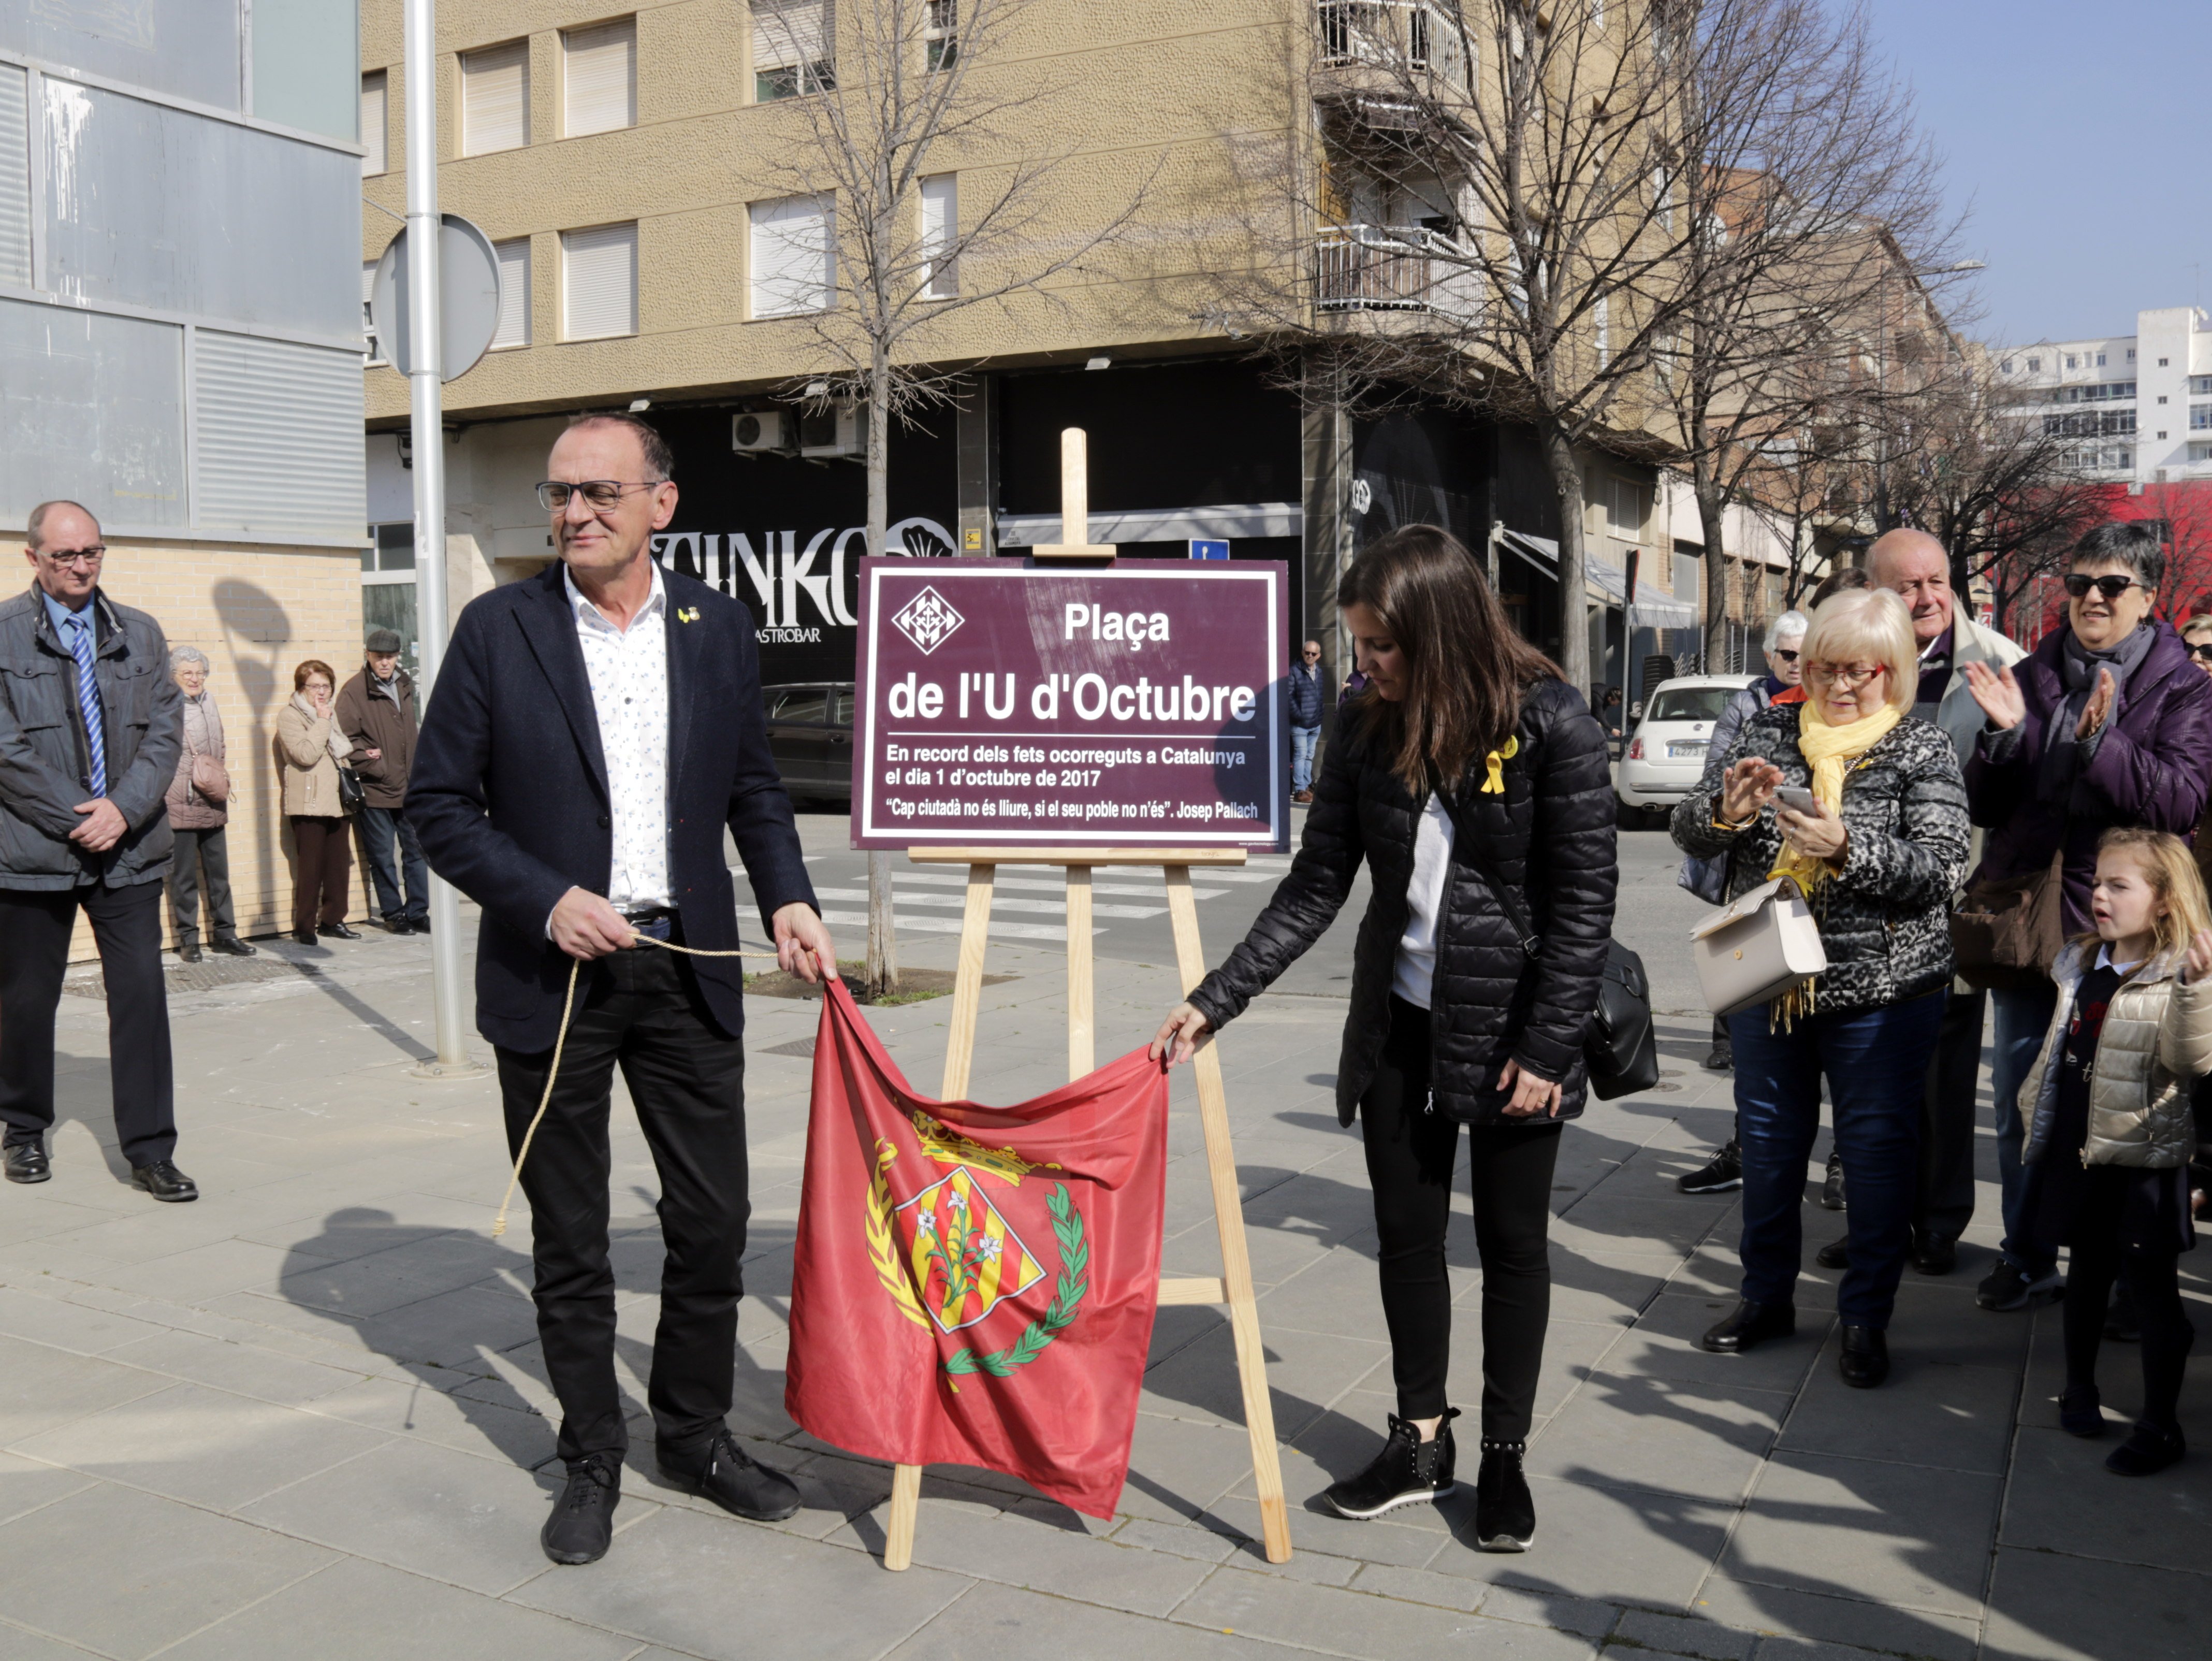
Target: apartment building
(180,341)
(634,170)
(2140,405)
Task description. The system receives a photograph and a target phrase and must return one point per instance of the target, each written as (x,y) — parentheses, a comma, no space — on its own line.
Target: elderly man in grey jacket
(90,726)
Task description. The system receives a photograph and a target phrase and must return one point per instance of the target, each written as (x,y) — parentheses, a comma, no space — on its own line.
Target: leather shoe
(305,937)
(26,1162)
(338,931)
(1837,1254)
(164,1181)
(723,1472)
(1864,1361)
(236,947)
(419,926)
(1934,1254)
(583,1520)
(1749,1325)
(188,954)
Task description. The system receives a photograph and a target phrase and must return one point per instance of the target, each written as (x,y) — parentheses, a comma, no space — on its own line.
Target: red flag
(975,1284)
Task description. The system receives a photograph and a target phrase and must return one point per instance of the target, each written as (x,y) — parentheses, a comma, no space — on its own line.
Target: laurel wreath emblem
(883,1250)
(1058,1315)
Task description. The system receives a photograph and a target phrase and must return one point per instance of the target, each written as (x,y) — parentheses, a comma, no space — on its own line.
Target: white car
(1666,753)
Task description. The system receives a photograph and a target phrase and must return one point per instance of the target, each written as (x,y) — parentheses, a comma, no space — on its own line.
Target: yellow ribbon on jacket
(1495,760)
(1827,751)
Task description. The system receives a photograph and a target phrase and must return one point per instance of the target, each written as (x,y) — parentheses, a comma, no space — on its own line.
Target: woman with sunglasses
(1877,840)
(2104,725)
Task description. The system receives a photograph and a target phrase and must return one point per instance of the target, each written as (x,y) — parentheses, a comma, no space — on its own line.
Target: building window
(368,328)
(2072,362)
(940,230)
(2131,353)
(599,282)
(2200,453)
(2200,417)
(2162,363)
(387,585)
(496,99)
(795,48)
(2200,383)
(2035,366)
(795,256)
(2100,360)
(940,34)
(2005,367)
(2161,433)
(375,127)
(514,328)
(599,78)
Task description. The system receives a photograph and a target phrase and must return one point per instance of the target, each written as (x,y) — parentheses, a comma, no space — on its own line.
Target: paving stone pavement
(305,1416)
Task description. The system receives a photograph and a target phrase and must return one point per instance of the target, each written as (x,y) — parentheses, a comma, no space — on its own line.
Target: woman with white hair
(198,811)
(1878,857)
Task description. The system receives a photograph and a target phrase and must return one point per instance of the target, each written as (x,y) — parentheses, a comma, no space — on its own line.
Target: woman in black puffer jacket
(1452,1020)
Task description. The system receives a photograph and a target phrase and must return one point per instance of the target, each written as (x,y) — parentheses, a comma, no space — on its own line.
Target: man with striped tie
(90,726)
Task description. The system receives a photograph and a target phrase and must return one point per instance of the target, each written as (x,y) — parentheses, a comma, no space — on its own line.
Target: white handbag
(1758,947)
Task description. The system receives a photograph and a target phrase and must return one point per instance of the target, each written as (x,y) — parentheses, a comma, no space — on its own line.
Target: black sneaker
(2009,1286)
(725,1473)
(1723,1171)
(583,1520)
(1407,1472)
(1832,1189)
(1504,1511)
(1720,1058)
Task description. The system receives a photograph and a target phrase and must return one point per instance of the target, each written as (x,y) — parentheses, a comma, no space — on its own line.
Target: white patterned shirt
(628,672)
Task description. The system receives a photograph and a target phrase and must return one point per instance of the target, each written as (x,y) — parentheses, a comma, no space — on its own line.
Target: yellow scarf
(1826,750)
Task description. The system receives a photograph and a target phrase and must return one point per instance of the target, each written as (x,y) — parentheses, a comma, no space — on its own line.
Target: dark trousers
(1875,1062)
(380,828)
(201,856)
(322,869)
(34,939)
(1411,1151)
(2152,1274)
(1945,1204)
(639,1009)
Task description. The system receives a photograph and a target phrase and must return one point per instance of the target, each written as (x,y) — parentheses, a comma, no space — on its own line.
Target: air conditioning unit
(752,431)
(840,430)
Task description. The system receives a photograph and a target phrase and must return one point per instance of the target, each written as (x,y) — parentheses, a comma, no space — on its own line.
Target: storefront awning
(1607,584)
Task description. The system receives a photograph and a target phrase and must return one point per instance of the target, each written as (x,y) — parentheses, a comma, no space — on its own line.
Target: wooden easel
(1234,1285)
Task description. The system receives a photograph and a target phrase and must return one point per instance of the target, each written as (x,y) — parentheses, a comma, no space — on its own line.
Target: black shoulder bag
(1621,1049)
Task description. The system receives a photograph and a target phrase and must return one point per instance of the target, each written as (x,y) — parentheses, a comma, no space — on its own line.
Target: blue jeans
(1303,742)
(1875,1062)
(2023,1020)
(380,828)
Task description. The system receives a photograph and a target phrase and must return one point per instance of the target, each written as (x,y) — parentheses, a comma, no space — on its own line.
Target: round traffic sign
(468,299)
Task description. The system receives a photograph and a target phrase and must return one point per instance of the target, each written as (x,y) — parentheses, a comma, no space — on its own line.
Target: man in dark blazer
(592,732)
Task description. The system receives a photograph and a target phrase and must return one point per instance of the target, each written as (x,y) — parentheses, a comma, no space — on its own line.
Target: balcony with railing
(1404,35)
(1393,268)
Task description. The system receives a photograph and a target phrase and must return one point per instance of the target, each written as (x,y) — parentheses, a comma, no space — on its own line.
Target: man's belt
(658,922)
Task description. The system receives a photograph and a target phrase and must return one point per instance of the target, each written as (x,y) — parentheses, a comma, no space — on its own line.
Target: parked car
(1666,752)
(810,730)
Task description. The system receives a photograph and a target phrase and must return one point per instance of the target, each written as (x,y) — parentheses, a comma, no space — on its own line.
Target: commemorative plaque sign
(1139,704)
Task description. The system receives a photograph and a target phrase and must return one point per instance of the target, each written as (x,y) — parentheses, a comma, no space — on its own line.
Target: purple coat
(2151,768)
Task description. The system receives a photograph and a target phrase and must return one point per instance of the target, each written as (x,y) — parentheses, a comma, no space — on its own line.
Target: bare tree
(921,193)
(1816,211)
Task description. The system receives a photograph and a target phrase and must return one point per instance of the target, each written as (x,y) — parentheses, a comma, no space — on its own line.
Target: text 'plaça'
(1090,697)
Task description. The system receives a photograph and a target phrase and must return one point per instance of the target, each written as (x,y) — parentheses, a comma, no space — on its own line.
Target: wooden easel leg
(1080,1022)
(1229,1217)
(906,1505)
(968,984)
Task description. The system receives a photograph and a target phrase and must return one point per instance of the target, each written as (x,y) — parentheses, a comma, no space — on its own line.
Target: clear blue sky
(2076,131)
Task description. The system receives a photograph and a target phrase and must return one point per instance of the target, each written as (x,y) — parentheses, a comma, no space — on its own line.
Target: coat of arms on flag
(973,1285)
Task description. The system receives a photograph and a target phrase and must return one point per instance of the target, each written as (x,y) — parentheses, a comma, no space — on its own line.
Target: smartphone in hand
(1796,798)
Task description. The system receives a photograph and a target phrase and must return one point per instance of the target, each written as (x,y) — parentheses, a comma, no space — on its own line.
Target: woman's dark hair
(1839,582)
(2133,543)
(1466,664)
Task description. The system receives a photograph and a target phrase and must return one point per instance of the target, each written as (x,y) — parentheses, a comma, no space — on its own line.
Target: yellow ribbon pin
(688,614)
(1495,784)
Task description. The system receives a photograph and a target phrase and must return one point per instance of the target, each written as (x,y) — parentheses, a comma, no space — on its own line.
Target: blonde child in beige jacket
(2110,1131)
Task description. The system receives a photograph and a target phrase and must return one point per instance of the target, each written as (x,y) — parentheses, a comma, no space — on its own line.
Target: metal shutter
(793,258)
(277,437)
(513,293)
(940,226)
(14,176)
(599,78)
(373,131)
(786,32)
(599,282)
(496,99)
